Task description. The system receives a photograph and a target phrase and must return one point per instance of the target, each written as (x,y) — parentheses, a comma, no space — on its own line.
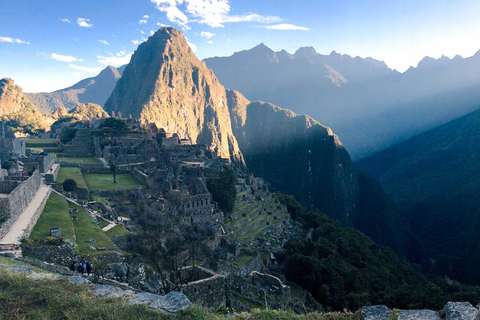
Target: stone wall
(209,291)
(7,186)
(17,201)
(62,254)
(36,215)
(51,176)
(140,176)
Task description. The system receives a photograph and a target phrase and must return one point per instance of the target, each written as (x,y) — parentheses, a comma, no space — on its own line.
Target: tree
(223,189)
(70,185)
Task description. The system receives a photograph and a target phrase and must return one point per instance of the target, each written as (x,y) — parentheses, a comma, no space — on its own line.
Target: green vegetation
(223,189)
(86,228)
(104,182)
(55,215)
(71,173)
(102,223)
(30,142)
(343,268)
(117,230)
(70,185)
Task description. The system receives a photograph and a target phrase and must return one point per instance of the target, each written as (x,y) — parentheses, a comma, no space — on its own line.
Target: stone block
(56,232)
(418,314)
(379,312)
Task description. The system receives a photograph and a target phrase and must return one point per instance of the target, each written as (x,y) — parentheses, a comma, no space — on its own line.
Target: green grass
(101,199)
(86,228)
(104,182)
(71,173)
(80,160)
(7,262)
(42,141)
(116,231)
(102,223)
(55,215)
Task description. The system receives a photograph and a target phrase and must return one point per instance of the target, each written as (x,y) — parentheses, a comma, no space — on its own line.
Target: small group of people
(83,266)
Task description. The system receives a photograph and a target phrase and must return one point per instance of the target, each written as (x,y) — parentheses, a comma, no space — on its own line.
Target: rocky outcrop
(17,109)
(165,84)
(460,311)
(91,90)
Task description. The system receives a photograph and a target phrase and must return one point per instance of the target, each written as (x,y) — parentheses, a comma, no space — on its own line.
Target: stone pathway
(110,226)
(17,230)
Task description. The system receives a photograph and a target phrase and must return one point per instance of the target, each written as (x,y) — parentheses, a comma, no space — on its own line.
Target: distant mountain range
(367,104)
(91,90)
(434,178)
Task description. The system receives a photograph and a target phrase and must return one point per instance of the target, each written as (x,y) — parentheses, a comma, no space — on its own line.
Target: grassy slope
(117,230)
(54,215)
(104,182)
(24,298)
(71,173)
(79,160)
(86,228)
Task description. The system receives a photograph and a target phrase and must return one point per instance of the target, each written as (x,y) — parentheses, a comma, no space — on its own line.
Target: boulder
(107,291)
(172,302)
(418,314)
(379,312)
(460,311)
(144,298)
(120,269)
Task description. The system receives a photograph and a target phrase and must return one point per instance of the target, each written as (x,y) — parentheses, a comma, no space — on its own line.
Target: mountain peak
(166,84)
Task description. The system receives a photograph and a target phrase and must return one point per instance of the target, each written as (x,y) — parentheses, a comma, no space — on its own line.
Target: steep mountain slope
(17,110)
(434,178)
(367,104)
(91,90)
(300,156)
(165,84)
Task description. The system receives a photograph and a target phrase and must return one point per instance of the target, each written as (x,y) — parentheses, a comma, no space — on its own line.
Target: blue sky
(49,45)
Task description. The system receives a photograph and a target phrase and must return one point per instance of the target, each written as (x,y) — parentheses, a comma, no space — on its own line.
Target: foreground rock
(108,291)
(460,311)
(144,298)
(376,313)
(172,302)
(418,314)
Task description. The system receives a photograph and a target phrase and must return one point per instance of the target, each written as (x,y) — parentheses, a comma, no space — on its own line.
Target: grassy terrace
(104,182)
(86,228)
(55,215)
(116,231)
(71,173)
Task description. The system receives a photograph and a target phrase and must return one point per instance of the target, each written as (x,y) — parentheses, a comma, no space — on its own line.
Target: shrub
(70,185)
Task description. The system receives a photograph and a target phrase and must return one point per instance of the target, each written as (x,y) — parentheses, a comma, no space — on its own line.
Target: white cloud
(143,21)
(119,59)
(192,46)
(136,42)
(207,35)
(146,16)
(173,13)
(63,58)
(161,24)
(66,20)
(214,13)
(12,40)
(82,22)
(104,42)
(152,32)
(210,42)
(286,26)
(86,69)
